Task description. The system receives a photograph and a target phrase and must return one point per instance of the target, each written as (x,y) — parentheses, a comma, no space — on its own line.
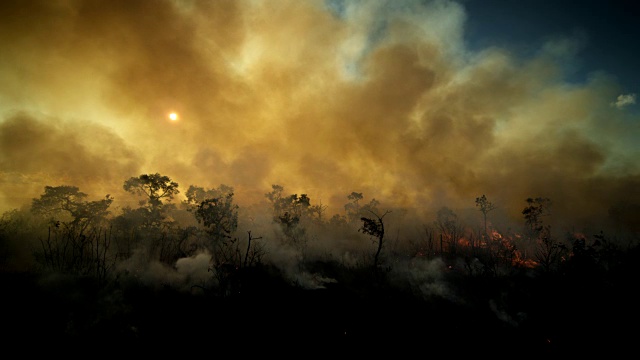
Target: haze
(323,98)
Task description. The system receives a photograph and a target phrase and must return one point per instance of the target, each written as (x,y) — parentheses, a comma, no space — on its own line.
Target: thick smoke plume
(324,98)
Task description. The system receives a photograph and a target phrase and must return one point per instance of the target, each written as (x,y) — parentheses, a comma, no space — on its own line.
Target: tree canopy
(153,186)
(65,200)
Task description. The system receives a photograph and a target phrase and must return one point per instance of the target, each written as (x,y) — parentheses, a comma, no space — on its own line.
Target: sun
(173,116)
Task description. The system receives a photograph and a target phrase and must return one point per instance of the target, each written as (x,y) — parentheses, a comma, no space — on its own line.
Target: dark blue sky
(610,31)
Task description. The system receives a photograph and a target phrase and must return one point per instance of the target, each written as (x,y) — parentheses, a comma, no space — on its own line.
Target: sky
(418,104)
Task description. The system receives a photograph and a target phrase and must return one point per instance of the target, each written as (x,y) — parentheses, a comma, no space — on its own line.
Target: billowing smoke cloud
(36,152)
(187,272)
(321,97)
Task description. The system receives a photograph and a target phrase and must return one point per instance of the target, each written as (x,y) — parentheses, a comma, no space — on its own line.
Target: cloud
(624,100)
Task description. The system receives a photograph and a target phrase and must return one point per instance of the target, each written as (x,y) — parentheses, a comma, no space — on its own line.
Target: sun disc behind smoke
(173,116)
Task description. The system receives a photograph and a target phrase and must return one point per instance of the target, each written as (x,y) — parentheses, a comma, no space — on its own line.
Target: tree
(275,198)
(355,211)
(293,206)
(318,210)
(353,208)
(228,266)
(450,229)
(154,186)
(484,206)
(64,201)
(219,216)
(289,211)
(75,243)
(548,251)
(215,210)
(371,206)
(196,194)
(534,211)
(301,204)
(252,255)
(375,228)
(58,199)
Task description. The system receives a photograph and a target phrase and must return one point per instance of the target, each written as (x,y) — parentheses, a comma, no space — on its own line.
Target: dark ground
(360,315)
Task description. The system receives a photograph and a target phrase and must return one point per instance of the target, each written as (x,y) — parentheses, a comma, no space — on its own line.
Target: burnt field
(361,311)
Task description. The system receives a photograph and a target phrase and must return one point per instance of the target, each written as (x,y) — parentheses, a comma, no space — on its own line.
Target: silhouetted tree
(318,210)
(355,210)
(296,206)
(449,227)
(426,246)
(232,271)
(58,201)
(353,207)
(76,242)
(289,211)
(154,187)
(484,206)
(371,206)
(534,211)
(375,228)
(253,254)
(548,252)
(275,198)
(219,216)
(196,194)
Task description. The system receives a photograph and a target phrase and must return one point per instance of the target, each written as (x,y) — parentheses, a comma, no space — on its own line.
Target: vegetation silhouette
(78,272)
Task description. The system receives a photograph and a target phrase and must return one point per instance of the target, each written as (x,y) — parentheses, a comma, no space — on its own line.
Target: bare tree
(229,266)
(252,254)
(319,210)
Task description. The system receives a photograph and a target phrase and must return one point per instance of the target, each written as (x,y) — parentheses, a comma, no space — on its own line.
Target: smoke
(187,272)
(427,276)
(35,152)
(324,98)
